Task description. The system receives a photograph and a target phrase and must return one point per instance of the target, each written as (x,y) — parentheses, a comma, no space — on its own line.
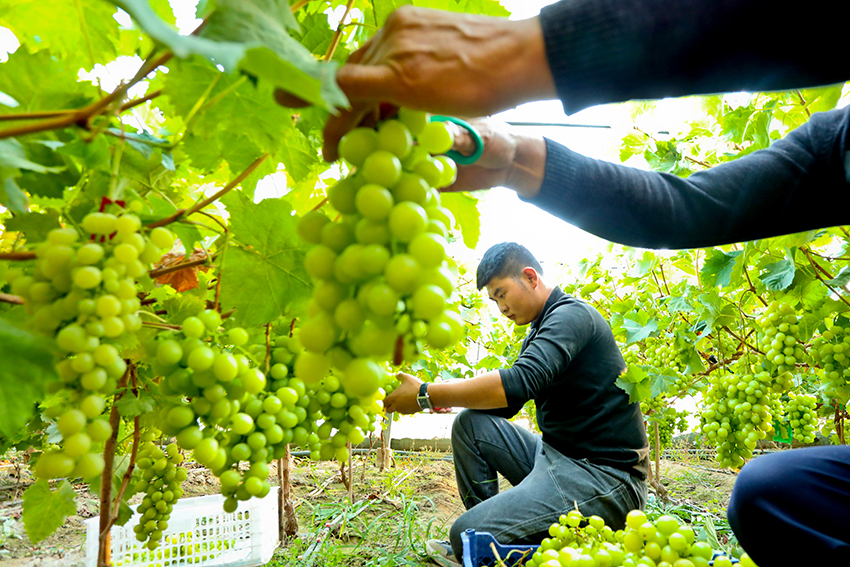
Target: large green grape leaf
(34,225)
(779,275)
(638,326)
(719,267)
(239,127)
(465,209)
(81,33)
(23,354)
(45,510)
(251,35)
(40,81)
(262,271)
(63,174)
(633,382)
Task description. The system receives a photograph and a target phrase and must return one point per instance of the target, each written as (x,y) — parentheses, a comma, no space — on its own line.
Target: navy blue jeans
(793,508)
(545,483)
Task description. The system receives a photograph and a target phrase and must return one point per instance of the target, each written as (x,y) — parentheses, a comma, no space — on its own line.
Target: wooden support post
(286,508)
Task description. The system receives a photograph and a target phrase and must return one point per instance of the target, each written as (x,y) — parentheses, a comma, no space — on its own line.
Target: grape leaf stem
(9,298)
(338,33)
(817,272)
(106,477)
(133,453)
(178,267)
(180,213)
(17,256)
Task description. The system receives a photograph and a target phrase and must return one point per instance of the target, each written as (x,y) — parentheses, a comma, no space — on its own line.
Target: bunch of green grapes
(660,410)
(221,408)
(780,338)
(831,352)
(737,412)
(380,270)
(162,476)
(801,411)
(82,292)
(588,542)
(665,355)
(347,417)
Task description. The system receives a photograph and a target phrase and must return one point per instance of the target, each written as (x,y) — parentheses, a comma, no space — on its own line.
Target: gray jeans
(545,483)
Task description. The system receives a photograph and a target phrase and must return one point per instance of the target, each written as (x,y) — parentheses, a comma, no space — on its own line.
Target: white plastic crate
(200,533)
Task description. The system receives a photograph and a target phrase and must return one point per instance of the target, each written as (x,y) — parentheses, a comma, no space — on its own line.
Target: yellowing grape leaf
(185,279)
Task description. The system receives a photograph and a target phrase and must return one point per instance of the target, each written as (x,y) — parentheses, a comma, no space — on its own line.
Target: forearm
(482,392)
(602,51)
(778,190)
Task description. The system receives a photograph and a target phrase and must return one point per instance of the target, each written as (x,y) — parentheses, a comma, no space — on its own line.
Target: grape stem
(83,116)
(818,270)
(9,298)
(17,256)
(180,213)
(338,33)
(177,267)
(141,100)
(133,452)
(103,553)
(163,326)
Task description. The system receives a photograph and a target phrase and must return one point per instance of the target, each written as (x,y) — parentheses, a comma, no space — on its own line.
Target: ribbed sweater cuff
(558,179)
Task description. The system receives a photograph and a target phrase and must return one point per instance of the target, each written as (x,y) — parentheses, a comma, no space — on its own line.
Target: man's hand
(510,159)
(443,62)
(403,399)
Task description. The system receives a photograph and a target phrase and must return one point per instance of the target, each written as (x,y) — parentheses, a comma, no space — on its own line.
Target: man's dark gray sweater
(569,364)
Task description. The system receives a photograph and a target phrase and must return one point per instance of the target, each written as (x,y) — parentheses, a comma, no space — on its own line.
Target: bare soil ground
(421,486)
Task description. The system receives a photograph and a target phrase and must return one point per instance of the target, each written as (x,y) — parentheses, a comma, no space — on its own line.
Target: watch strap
(423,399)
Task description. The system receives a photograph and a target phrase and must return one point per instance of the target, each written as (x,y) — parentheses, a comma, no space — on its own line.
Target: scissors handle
(479,143)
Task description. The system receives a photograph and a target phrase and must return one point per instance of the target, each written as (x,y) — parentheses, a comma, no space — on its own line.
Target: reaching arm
(602,51)
(783,189)
(482,392)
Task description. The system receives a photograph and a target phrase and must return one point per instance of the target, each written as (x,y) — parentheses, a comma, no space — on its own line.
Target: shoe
(440,552)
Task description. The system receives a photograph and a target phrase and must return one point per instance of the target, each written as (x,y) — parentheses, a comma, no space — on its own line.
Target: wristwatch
(423,399)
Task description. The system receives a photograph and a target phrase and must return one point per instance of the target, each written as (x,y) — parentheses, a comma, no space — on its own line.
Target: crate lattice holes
(200,533)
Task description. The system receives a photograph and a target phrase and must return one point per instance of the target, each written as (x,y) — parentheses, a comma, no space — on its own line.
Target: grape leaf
(51,183)
(719,267)
(23,354)
(779,275)
(262,272)
(81,33)
(131,406)
(34,225)
(185,279)
(465,209)
(181,306)
(840,280)
(676,304)
(46,510)
(40,81)
(11,195)
(660,384)
(637,391)
(251,35)
(636,330)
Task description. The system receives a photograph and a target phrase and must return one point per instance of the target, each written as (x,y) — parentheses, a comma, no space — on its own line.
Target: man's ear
(531,276)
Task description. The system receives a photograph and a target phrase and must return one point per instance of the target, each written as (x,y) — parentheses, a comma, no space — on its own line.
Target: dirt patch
(417,496)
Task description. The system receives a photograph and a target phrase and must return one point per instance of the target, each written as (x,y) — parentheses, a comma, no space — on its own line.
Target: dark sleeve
(778,190)
(602,51)
(564,332)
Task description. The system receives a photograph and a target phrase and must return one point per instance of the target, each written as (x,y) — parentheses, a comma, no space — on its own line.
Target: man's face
(516,299)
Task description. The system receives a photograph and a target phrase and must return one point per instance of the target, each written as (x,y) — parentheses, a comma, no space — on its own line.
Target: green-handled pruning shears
(479,143)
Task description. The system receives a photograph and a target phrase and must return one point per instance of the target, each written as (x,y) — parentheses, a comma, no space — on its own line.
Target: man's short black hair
(503,260)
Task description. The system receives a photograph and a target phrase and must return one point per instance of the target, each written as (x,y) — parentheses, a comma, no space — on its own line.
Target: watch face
(422,401)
